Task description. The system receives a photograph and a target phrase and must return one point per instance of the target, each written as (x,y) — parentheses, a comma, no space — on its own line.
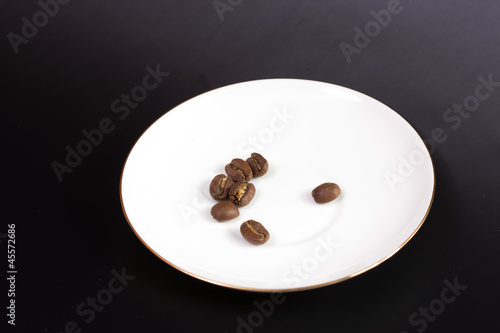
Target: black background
(72,234)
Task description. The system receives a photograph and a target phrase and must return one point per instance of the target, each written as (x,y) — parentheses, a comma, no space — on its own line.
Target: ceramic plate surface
(310,132)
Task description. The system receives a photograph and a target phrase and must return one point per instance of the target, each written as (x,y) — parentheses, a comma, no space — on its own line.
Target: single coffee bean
(326,192)
(219,187)
(224,211)
(239,170)
(254,232)
(241,193)
(258,164)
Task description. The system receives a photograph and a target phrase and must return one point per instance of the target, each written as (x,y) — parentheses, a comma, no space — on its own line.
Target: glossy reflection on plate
(311,133)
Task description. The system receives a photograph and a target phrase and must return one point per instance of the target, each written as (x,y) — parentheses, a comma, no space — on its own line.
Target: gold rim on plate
(284,289)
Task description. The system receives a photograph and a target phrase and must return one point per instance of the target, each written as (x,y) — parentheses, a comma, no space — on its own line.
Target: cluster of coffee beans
(236,187)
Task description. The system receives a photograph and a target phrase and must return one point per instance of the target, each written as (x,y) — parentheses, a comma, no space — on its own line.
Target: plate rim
(274,290)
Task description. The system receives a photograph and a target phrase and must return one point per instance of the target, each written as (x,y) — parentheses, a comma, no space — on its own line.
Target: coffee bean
(219,187)
(241,193)
(254,232)
(326,192)
(224,211)
(239,170)
(258,164)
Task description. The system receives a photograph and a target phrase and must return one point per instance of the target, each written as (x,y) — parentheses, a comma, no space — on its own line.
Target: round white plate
(310,132)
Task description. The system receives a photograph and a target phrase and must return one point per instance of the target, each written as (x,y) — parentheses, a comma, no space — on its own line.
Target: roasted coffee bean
(254,232)
(326,192)
(241,193)
(239,170)
(258,164)
(219,187)
(224,211)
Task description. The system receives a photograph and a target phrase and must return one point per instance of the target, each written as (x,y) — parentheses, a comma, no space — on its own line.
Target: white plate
(310,132)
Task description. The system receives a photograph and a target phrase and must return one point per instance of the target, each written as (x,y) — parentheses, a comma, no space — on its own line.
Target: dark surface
(72,234)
